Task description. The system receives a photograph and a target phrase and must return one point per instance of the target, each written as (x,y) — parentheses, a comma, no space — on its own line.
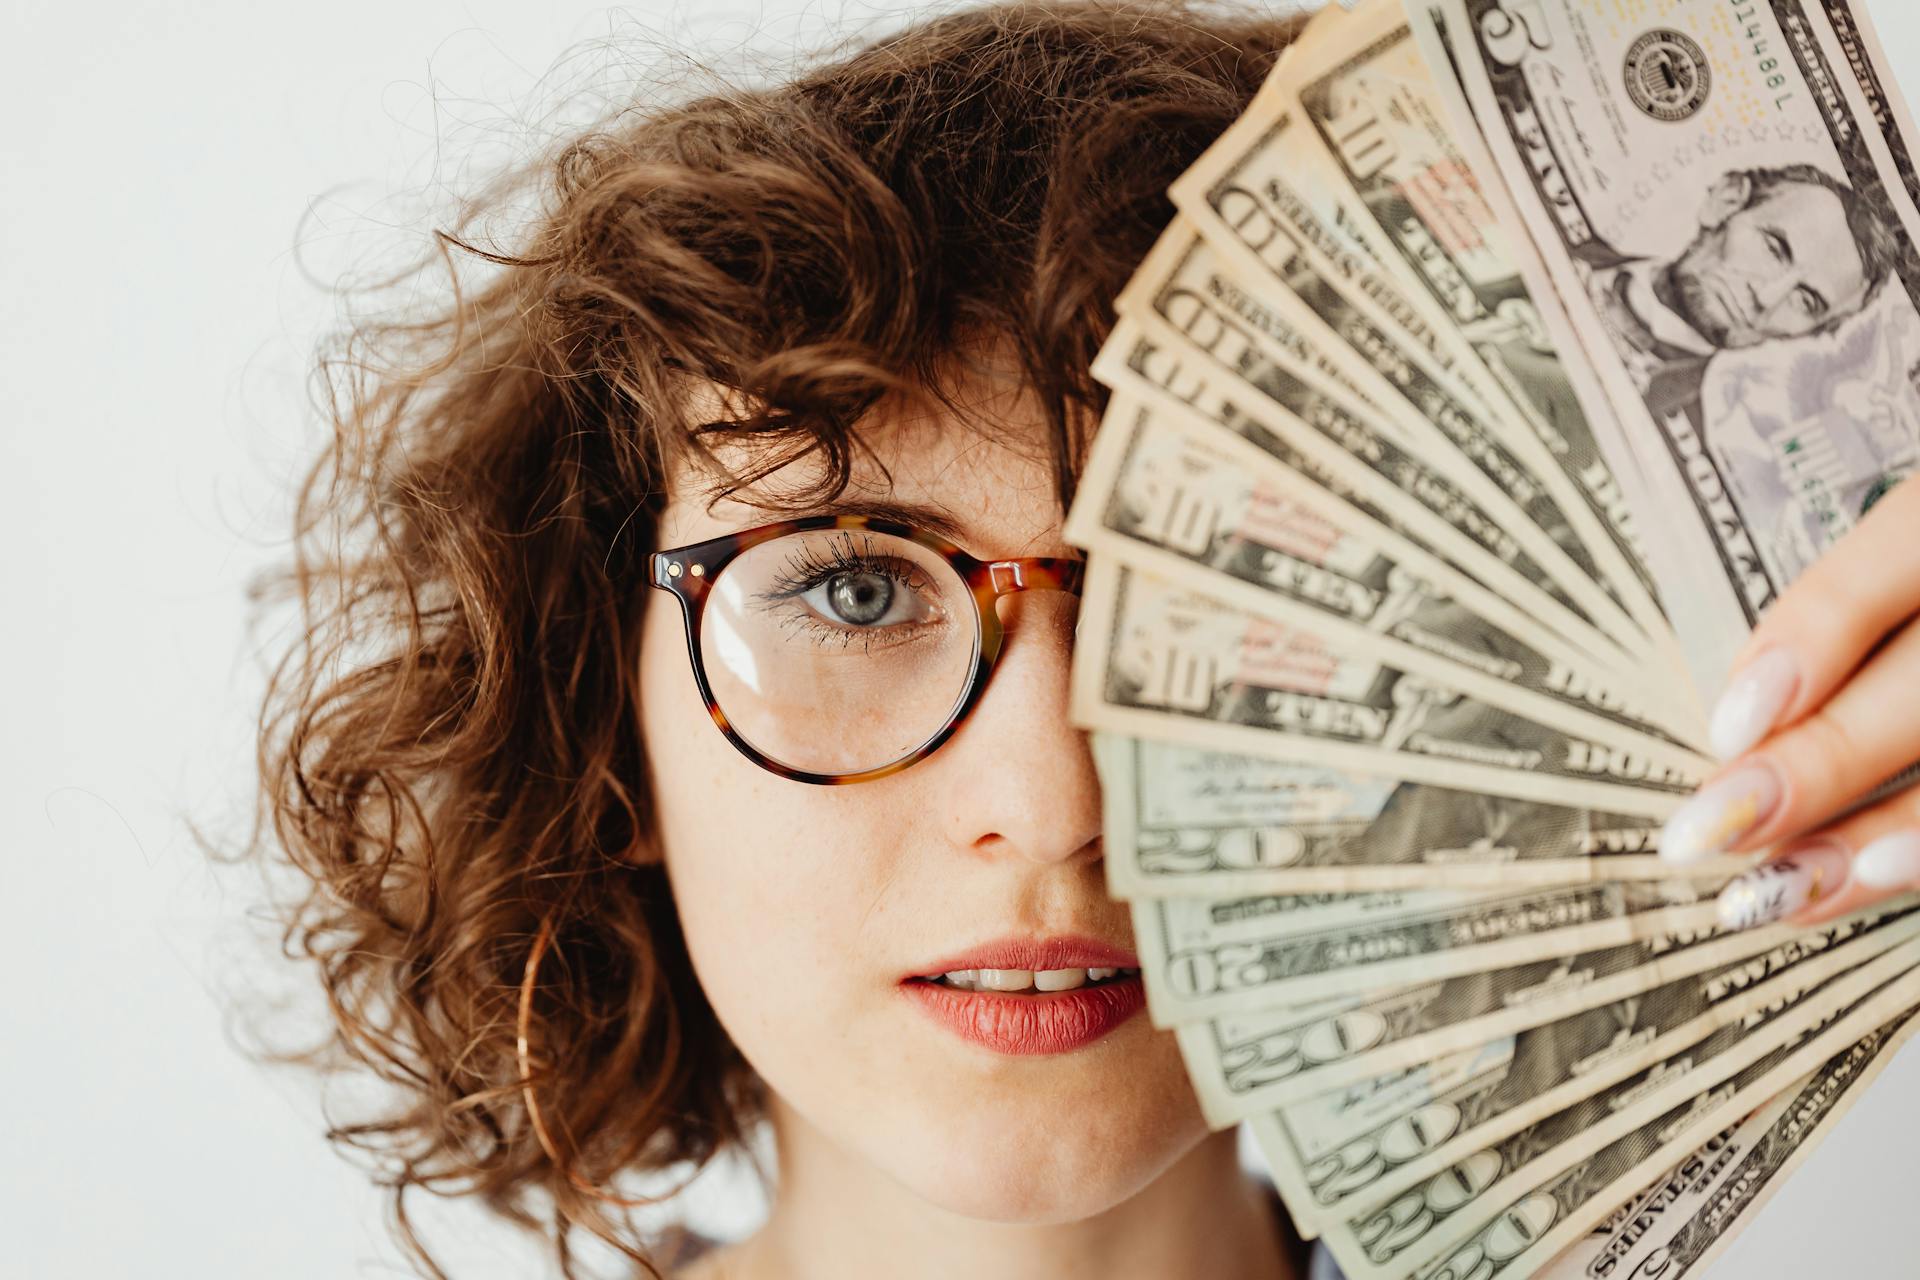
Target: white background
(178,183)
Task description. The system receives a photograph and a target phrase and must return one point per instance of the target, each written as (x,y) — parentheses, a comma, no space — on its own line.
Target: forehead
(982,474)
(1807,203)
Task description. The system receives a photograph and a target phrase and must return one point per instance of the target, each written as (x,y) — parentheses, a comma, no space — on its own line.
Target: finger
(1806,774)
(1861,861)
(1823,624)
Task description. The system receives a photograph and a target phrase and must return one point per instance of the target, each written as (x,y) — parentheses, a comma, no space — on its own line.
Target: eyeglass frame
(688,573)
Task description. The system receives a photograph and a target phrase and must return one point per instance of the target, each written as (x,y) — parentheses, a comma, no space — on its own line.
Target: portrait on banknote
(1778,252)
(1733,232)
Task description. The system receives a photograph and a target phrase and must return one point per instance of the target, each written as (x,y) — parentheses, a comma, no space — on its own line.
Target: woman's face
(805,907)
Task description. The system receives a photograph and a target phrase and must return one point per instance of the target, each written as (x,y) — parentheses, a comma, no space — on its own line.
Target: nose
(1770,289)
(1017,778)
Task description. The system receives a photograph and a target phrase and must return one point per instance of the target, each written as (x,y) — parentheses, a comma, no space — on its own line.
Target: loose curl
(450,753)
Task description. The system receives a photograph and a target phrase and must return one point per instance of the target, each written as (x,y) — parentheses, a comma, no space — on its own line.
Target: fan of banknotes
(1458,436)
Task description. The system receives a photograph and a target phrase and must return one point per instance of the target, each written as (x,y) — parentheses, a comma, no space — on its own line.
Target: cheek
(759,881)
(1744,249)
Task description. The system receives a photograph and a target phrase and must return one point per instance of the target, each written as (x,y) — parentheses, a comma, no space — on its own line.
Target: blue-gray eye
(861,598)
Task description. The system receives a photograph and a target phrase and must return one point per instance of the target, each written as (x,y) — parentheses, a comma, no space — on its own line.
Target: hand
(1822,706)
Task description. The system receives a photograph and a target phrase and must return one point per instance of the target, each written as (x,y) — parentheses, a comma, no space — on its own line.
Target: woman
(628,835)
(589,933)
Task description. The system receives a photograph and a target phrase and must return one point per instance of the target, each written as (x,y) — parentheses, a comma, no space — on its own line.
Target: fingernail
(1752,703)
(1891,862)
(1777,889)
(1720,814)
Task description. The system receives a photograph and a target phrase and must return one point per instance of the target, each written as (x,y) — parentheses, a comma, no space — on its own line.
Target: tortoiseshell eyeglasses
(840,649)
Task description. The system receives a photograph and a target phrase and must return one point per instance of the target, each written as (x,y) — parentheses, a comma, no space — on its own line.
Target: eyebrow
(923,515)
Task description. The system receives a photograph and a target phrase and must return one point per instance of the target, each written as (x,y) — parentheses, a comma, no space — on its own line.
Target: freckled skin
(804,906)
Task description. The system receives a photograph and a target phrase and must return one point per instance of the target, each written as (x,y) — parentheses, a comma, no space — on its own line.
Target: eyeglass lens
(838,650)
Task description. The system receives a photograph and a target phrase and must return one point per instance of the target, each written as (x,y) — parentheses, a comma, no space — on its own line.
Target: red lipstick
(1032,1022)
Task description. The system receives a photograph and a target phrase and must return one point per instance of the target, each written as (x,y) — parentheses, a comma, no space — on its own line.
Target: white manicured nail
(1752,703)
(1891,862)
(1722,812)
(1777,889)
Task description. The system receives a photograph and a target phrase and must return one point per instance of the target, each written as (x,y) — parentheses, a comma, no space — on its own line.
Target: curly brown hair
(450,753)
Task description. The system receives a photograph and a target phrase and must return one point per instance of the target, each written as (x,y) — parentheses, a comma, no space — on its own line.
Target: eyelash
(806,570)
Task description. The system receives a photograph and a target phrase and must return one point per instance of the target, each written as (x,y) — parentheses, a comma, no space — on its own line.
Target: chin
(1043,1155)
(1066,1172)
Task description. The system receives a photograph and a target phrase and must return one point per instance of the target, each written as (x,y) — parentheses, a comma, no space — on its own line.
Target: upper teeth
(1027,979)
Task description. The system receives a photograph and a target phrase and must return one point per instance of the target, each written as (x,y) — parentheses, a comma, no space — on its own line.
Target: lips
(1032,1022)
(1065,951)
(1022,1025)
